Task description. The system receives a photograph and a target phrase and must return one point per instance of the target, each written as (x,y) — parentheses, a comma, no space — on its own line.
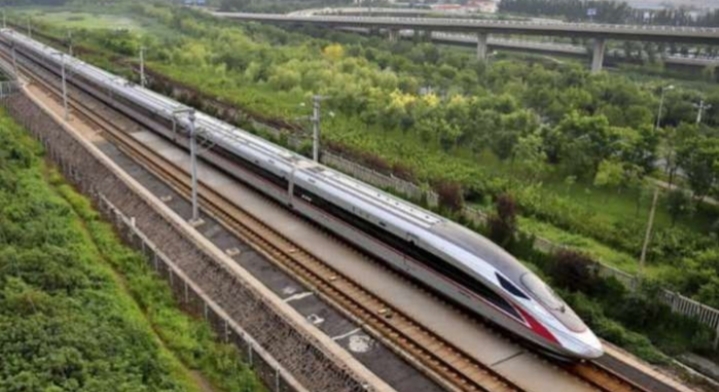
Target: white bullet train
(452,260)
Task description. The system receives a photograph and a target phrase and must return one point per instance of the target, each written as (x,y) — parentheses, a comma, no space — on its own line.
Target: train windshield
(551,300)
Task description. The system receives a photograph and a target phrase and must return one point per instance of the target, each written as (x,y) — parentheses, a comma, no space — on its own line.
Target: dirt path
(706,199)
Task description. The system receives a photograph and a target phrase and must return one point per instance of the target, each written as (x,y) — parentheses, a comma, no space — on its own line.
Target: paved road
(697,35)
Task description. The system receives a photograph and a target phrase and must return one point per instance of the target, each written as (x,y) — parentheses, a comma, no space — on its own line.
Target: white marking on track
(360,343)
(344,335)
(297,296)
(289,290)
(315,319)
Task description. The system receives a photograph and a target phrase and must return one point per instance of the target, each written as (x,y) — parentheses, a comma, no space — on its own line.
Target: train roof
(217,130)
(481,247)
(378,197)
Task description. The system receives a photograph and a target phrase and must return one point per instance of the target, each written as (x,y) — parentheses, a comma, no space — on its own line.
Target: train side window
(507,285)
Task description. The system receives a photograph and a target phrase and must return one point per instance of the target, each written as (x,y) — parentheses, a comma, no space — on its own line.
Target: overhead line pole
(661,106)
(195,218)
(142,66)
(193,168)
(69,43)
(14,59)
(648,234)
(64,87)
(700,110)
(652,211)
(316,127)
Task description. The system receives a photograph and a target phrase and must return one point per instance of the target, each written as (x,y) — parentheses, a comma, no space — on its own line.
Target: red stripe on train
(537,327)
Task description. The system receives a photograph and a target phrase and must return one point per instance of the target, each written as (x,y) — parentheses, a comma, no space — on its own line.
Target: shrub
(593,314)
(403,171)
(573,270)
(450,195)
(503,224)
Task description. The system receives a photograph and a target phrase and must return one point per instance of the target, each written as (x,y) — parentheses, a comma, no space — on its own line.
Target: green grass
(72,290)
(81,20)
(189,339)
(598,251)
(593,248)
(62,308)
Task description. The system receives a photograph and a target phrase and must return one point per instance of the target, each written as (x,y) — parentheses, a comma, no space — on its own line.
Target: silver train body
(452,260)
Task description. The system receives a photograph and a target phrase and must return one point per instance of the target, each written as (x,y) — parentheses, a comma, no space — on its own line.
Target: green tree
(529,156)
(678,204)
(512,126)
(610,174)
(584,143)
(698,156)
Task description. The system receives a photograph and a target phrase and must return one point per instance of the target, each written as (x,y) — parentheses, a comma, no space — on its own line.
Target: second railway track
(449,365)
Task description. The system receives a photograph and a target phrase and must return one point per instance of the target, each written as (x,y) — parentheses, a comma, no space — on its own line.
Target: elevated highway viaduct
(600,33)
(552,48)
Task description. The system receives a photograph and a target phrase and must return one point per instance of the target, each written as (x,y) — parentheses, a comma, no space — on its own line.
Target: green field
(79,20)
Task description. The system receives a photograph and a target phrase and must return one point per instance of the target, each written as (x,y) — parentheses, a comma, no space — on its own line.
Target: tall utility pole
(701,107)
(14,59)
(193,168)
(661,106)
(69,43)
(64,86)
(316,127)
(648,234)
(142,66)
(195,220)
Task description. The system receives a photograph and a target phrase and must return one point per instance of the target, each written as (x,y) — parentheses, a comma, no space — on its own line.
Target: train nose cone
(592,347)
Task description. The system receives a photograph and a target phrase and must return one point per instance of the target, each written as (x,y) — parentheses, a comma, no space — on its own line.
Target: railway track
(449,365)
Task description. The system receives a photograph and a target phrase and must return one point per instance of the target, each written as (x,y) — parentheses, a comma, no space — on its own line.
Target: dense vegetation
(576,151)
(78,310)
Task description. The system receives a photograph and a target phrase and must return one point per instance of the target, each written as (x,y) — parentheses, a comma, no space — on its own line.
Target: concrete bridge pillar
(421,35)
(393,35)
(482,46)
(598,55)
